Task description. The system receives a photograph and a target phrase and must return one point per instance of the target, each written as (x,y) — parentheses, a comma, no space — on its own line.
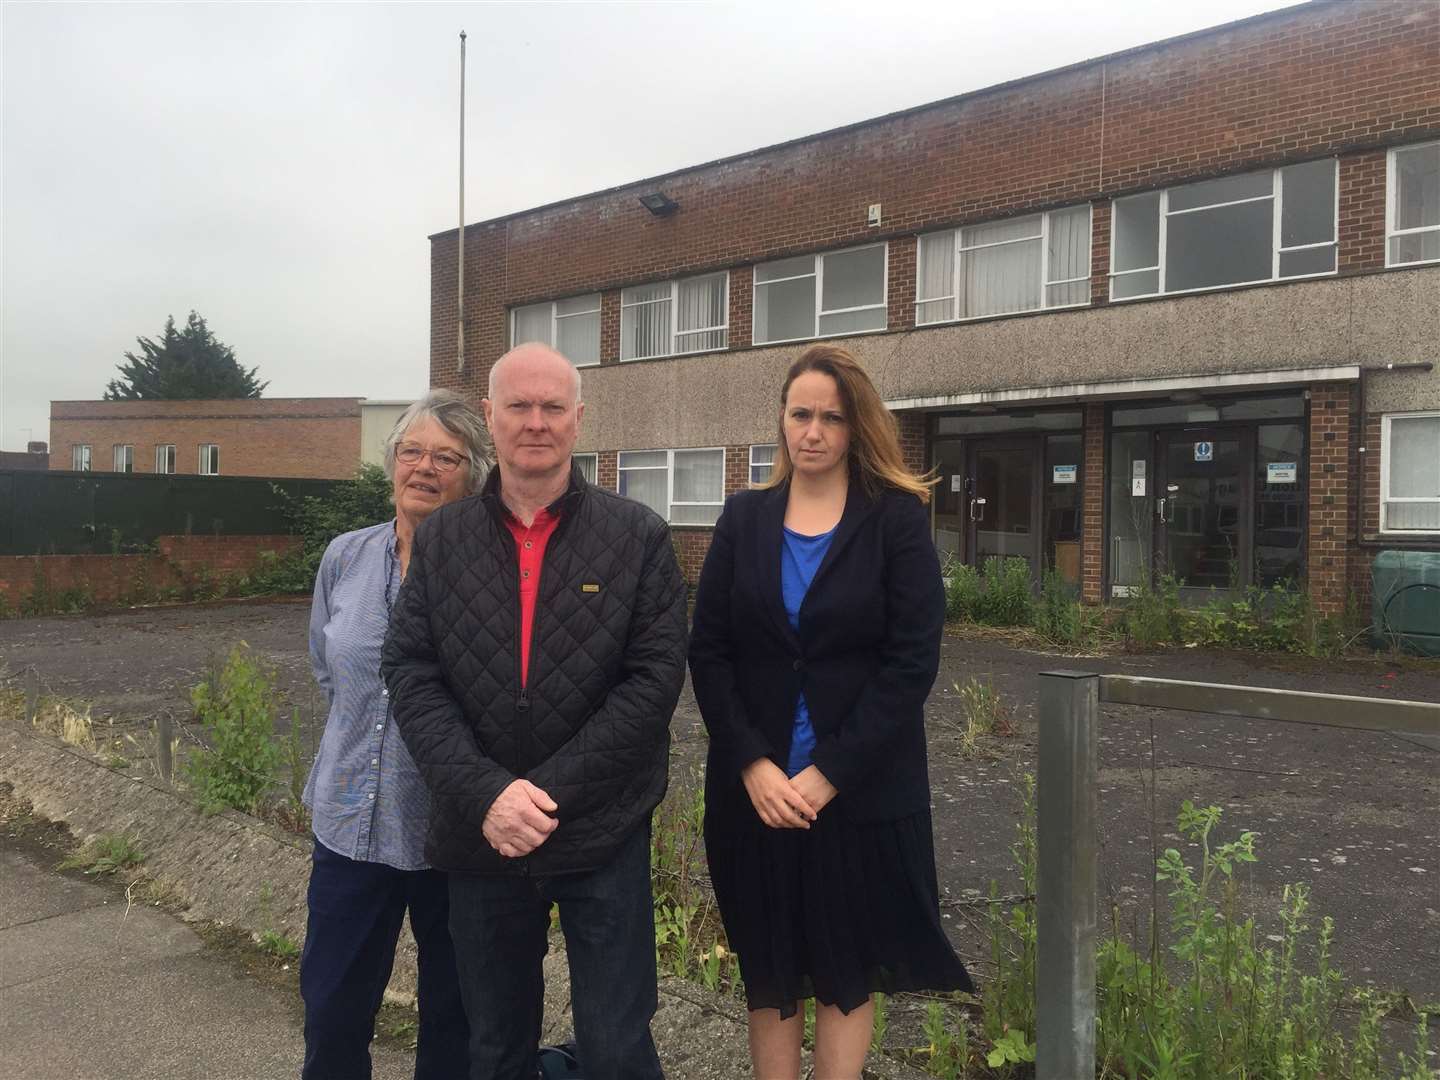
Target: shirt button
(379,727)
(384,692)
(374,761)
(525,573)
(371,795)
(798,665)
(528,545)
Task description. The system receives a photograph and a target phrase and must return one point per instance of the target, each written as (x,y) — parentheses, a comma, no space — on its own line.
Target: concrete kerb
(241,872)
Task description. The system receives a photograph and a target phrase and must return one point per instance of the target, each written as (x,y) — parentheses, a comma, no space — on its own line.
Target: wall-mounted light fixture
(659,204)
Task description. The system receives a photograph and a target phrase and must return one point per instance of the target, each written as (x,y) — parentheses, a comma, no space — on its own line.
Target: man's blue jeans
(356,910)
(499,925)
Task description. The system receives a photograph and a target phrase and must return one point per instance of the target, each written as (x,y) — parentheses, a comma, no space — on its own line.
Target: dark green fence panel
(86,513)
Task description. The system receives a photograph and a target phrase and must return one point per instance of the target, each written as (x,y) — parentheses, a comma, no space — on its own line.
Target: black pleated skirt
(836,912)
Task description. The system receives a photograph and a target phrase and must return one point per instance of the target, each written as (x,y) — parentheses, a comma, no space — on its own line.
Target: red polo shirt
(530,544)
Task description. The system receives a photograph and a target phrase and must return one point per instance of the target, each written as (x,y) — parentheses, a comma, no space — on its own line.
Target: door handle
(1160,507)
(977,510)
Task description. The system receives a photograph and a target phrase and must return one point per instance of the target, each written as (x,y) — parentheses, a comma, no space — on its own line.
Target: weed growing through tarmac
(278,945)
(236,707)
(983,713)
(106,854)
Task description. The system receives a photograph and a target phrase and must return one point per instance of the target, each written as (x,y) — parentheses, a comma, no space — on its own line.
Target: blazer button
(798,665)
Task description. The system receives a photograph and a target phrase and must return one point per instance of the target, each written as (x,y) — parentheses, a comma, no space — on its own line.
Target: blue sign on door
(1204,451)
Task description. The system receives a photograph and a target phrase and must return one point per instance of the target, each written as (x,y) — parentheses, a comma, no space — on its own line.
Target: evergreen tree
(185,363)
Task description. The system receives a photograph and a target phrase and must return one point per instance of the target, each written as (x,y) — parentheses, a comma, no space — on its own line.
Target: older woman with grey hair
(369,805)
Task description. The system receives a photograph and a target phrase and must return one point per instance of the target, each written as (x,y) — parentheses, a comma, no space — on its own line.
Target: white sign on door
(1204,451)
(1064,474)
(957,482)
(1282,472)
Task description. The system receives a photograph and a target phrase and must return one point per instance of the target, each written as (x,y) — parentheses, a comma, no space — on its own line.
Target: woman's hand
(817,791)
(777,801)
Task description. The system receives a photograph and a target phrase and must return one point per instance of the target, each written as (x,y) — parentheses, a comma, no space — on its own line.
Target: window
(570,326)
(675,317)
(1021,264)
(165,458)
(685,487)
(209,459)
(1412,210)
(589,466)
(842,292)
(80,458)
(1410,473)
(1236,230)
(124,457)
(762,463)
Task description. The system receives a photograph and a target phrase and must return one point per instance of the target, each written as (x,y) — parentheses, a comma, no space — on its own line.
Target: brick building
(1176,308)
(302,437)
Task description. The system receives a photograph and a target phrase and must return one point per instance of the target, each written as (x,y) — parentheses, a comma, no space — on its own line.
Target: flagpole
(460,276)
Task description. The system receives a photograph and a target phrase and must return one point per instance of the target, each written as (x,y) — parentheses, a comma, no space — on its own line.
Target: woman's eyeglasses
(442,460)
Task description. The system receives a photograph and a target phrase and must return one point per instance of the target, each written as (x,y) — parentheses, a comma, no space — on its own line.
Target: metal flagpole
(460,287)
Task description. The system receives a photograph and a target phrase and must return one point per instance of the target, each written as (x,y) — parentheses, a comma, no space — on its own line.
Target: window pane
(700,476)
(785,310)
(642,459)
(532,323)
(853,322)
(704,303)
(587,463)
(854,279)
(1069,244)
(1417,187)
(935,277)
(1413,515)
(645,322)
(1137,235)
(1219,247)
(1307,204)
(997,280)
(695,515)
(1309,261)
(1074,292)
(1225,189)
(785,268)
(578,338)
(762,459)
(1415,457)
(1418,247)
(578,305)
(1145,283)
(647,486)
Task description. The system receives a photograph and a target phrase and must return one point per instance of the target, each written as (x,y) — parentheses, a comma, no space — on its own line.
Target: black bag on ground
(559,1063)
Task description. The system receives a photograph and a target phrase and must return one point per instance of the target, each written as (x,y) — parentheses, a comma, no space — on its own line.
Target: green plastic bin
(1406,602)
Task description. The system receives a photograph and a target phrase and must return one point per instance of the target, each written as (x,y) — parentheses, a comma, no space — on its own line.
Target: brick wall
(691,544)
(1092,529)
(108,579)
(302,437)
(1326,78)
(1328,540)
(912,440)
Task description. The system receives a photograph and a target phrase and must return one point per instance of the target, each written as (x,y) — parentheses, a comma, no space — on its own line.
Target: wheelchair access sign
(1204,451)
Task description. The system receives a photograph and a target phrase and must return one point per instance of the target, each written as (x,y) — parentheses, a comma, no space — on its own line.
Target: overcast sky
(277,167)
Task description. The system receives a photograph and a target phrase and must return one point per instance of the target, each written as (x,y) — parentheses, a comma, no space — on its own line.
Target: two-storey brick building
(1173,309)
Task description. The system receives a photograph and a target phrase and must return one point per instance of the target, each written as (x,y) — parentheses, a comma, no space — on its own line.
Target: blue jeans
(356,909)
(500,926)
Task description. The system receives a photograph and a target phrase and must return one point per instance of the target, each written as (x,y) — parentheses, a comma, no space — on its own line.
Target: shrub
(962,590)
(1152,616)
(106,854)
(1006,598)
(236,708)
(1059,616)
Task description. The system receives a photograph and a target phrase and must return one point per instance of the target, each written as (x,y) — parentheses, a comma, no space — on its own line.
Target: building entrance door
(1003,508)
(1203,530)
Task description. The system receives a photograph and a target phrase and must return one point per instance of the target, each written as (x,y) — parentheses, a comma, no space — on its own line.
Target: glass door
(949,500)
(1202,503)
(1003,509)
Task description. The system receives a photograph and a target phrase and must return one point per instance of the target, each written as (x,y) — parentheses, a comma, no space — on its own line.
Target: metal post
(1065,903)
(163,738)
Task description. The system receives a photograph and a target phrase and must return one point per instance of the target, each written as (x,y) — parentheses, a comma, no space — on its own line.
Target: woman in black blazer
(815,642)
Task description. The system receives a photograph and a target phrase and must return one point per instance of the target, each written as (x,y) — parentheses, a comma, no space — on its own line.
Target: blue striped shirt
(365,795)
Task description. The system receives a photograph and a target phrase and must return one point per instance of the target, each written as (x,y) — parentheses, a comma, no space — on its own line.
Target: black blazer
(866,654)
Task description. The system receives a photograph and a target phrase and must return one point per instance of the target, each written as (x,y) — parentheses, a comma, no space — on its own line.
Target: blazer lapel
(857,508)
(770,536)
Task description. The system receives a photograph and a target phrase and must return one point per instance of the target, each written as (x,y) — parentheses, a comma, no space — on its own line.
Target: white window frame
(669,468)
(123,456)
(1276,250)
(819,275)
(165,459)
(203,464)
(594,459)
(956,251)
(675,332)
(775,450)
(1385,499)
(1390,231)
(81,457)
(555,322)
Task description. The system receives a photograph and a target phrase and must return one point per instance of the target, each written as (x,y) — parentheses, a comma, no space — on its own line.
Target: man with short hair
(535,656)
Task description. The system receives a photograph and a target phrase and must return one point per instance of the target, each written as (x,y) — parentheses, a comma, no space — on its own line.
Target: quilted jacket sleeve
(909,655)
(624,735)
(713,656)
(462,781)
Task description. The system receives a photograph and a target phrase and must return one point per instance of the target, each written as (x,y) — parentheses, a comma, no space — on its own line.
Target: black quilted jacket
(607,660)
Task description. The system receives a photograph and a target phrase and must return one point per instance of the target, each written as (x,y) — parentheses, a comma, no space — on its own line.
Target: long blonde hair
(875,458)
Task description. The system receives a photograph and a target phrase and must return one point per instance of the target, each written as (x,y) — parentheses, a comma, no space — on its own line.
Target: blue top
(365,794)
(800,557)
